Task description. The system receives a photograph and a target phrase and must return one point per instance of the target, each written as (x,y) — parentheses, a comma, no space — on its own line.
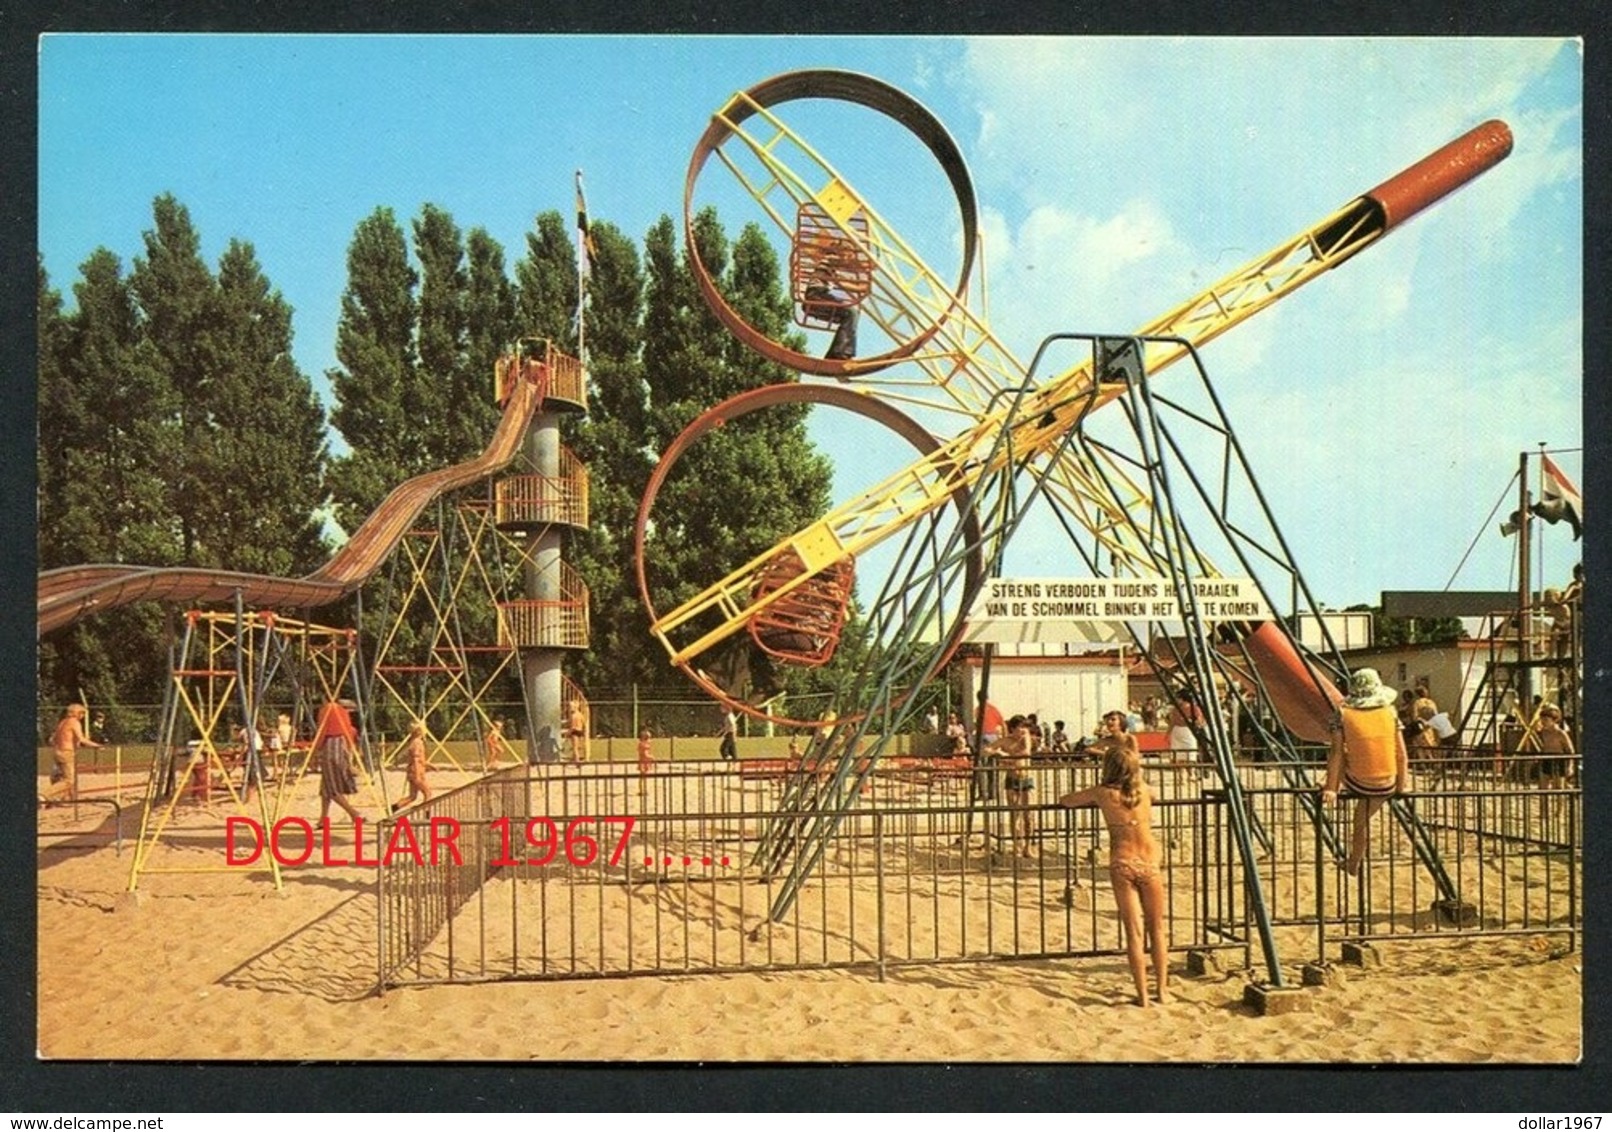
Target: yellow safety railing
(538,500)
(560,622)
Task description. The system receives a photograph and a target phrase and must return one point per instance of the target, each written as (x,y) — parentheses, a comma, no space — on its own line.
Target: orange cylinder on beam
(1442,172)
(1303,699)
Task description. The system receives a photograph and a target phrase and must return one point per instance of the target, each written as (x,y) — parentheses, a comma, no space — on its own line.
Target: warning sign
(1020,600)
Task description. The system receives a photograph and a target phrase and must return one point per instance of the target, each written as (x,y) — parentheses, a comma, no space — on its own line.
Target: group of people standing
(1367,756)
(335,743)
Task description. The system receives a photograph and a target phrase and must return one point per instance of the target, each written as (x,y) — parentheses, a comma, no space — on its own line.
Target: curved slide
(73,592)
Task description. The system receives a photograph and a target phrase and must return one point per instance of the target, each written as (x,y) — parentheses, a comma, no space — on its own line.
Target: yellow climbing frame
(269,663)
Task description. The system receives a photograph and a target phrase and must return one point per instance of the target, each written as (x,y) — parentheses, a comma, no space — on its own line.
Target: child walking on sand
(1126,804)
(414,749)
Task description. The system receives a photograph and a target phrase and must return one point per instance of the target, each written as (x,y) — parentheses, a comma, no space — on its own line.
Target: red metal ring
(843,86)
(796,393)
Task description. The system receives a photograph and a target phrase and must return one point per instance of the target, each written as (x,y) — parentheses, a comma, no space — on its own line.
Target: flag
(585,248)
(1560,498)
(585,253)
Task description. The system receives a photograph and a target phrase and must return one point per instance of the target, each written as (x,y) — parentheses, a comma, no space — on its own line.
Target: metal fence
(545,887)
(620,715)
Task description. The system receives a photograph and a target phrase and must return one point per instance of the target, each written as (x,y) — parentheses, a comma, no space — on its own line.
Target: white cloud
(1059,269)
(1384,404)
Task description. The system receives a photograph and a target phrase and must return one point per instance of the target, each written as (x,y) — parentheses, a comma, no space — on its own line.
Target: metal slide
(73,592)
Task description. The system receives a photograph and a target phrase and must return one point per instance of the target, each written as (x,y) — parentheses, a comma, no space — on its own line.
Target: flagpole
(1539,552)
(1525,619)
(584,270)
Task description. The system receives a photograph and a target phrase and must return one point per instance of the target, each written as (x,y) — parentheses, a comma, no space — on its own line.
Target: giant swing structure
(1157,489)
(1143,480)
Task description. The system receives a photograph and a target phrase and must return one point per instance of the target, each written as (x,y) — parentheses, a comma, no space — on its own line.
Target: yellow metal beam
(971,352)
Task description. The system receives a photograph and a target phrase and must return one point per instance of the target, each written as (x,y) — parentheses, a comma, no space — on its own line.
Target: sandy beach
(220,965)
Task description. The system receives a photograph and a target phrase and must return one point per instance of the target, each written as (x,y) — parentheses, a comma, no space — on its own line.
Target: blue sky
(1383,406)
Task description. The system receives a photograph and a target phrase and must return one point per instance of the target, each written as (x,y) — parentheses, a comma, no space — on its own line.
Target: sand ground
(221,965)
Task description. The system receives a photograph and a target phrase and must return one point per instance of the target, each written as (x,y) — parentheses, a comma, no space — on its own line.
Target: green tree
(1411,630)
(108,438)
(609,442)
(249,462)
(268,429)
(742,489)
(83,460)
(177,297)
(441,338)
(58,401)
(175,430)
(376,390)
(490,328)
(546,283)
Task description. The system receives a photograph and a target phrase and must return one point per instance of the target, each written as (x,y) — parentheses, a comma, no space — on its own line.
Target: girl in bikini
(1133,854)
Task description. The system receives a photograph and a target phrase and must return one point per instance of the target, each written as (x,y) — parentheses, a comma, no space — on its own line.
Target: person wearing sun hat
(1368,755)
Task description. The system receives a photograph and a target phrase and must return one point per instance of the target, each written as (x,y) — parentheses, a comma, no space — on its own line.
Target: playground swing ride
(1134,507)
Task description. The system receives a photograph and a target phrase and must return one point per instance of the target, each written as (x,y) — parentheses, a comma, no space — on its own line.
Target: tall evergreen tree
(610,442)
(93,488)
(442,338)
(175,430)
(108,431)
(377,395)
(250,459)
(546,283)
(490,328)
(417,349)
(61,422)
(177,298)
(268,429)
(738,491)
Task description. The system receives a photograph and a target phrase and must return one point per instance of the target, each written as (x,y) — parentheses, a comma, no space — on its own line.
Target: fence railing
(73,837)
(622,874)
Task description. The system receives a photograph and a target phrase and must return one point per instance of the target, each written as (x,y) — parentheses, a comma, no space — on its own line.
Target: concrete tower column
(541,675)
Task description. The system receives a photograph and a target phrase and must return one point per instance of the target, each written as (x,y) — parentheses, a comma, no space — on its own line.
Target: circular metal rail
(842,86)
(795,393)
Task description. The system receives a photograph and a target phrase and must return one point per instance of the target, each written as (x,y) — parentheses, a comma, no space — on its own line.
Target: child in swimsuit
(646,761)
(414,750)
(1556,744)
(1126,804)
(1017,783)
